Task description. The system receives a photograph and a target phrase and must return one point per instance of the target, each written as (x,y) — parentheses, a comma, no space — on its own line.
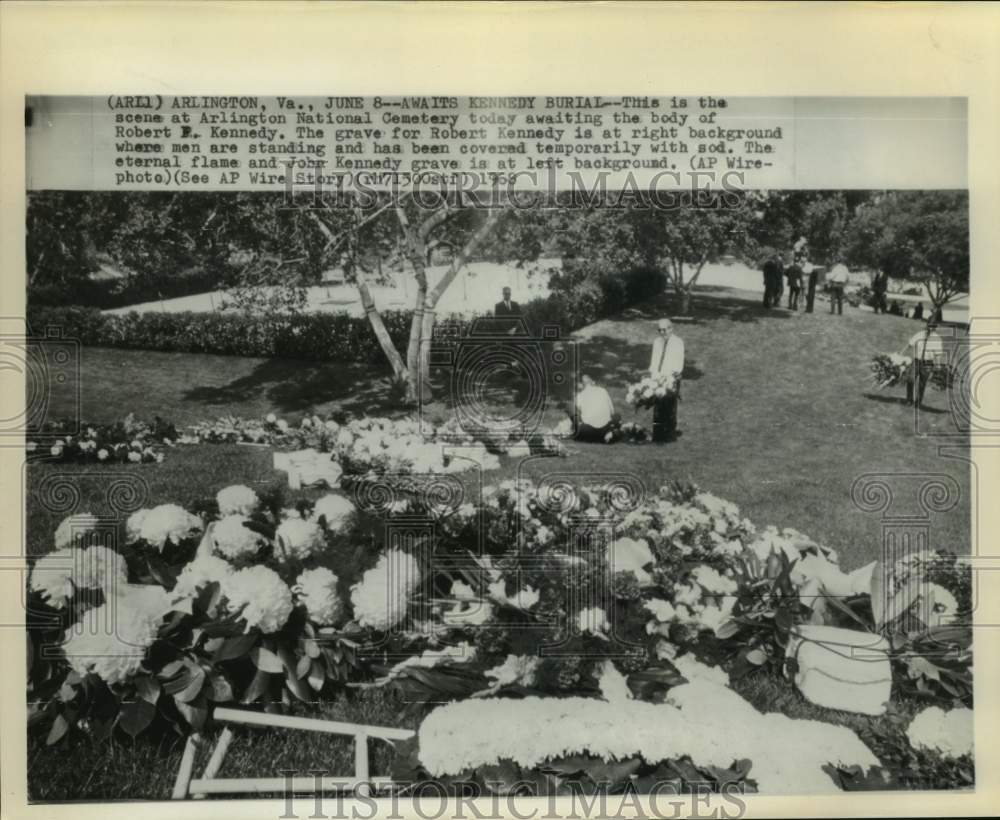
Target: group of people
(777,275)
(596,418)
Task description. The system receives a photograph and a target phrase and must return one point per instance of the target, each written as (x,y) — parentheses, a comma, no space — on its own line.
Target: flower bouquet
(649,390)
(889,369)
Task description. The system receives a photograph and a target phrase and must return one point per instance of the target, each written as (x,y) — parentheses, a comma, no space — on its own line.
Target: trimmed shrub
(574,303)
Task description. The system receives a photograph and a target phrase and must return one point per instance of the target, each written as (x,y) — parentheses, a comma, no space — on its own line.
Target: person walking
(837,280)
(667,360)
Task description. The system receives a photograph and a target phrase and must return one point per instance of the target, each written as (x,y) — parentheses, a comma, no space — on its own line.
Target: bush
(577,300)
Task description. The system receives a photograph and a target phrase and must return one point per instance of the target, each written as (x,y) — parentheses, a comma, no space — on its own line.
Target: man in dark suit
(772,281)
(793,273)
(506,308)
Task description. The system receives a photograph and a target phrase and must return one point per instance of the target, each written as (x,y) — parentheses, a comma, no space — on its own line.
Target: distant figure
(880,286)
(926,349)
(594,412)
(837,280)
(510,310)
(772,281)
(895,309)
(935,317)
(793,275)
(918,312)
(668,360)
(506,307)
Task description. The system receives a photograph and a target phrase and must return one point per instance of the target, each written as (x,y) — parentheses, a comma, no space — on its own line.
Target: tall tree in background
(922,236)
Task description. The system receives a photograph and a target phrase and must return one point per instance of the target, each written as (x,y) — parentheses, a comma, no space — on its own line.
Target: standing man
(926,348)
(880,286)
(793,273)
(838,281)
(506,308)
(668,360)
(772,281)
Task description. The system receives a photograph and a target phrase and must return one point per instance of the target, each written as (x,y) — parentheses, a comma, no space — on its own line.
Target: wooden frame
(186,785)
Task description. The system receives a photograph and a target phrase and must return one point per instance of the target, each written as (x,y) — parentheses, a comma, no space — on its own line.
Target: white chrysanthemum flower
(99,568)
(632,555)
(199,573)
(316,589)
(951,733)
(74,529)
(525,598)
(382,595)
(157,526)
(234,540)
(265,598)
(237,500)
(299,537)
(593,620)
(111,641)
(52,577)
(337,511)
(662,610)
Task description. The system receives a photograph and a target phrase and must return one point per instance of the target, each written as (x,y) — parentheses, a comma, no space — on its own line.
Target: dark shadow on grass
(883,399)
(708,304)
(294,386)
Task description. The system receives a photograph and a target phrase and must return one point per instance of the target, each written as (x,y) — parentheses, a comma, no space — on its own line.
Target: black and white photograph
(379,448)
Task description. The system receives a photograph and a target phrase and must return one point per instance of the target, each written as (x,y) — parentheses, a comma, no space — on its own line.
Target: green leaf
(299,688)
(194,687)
(266,661)
(303,666)
(134,717)
(258,686)
(159,569)
(727,630)
(194,713)
(219,689)
(317,675)
(58,731)
(235,647)
(147,688)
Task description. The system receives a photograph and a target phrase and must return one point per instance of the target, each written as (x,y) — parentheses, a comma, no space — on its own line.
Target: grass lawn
(777,415)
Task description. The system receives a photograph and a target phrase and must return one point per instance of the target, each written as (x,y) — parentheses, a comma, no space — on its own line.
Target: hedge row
(319,336)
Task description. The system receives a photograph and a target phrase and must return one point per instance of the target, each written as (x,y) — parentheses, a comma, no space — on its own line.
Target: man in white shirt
(837,281)
(668,360)
(926,348)
(594,412)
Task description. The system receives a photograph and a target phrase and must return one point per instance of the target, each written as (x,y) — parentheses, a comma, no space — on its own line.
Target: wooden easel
(186,785)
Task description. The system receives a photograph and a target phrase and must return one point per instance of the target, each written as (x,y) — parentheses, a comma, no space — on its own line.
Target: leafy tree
(918,235)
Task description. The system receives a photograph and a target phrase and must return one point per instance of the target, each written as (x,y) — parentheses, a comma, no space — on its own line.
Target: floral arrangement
(379,445)
(891,369)
(655,603)
(127,441)
(649,390)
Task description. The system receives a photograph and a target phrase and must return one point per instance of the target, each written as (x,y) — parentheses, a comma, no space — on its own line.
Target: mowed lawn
(778,415)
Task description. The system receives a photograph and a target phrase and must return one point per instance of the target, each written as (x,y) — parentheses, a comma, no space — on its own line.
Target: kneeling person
(594,412)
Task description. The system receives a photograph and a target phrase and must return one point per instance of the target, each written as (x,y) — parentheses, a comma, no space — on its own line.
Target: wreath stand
(185,785)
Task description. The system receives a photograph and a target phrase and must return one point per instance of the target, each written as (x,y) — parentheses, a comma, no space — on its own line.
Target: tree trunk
(684,295)
(378,326)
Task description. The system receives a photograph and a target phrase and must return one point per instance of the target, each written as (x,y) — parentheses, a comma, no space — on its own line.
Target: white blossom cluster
(316,589)
(300,538)
(234,540)
(162,524)
(57,575)
(260,596)
(380,599)
(647,390)
(951,733)
(237,499)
